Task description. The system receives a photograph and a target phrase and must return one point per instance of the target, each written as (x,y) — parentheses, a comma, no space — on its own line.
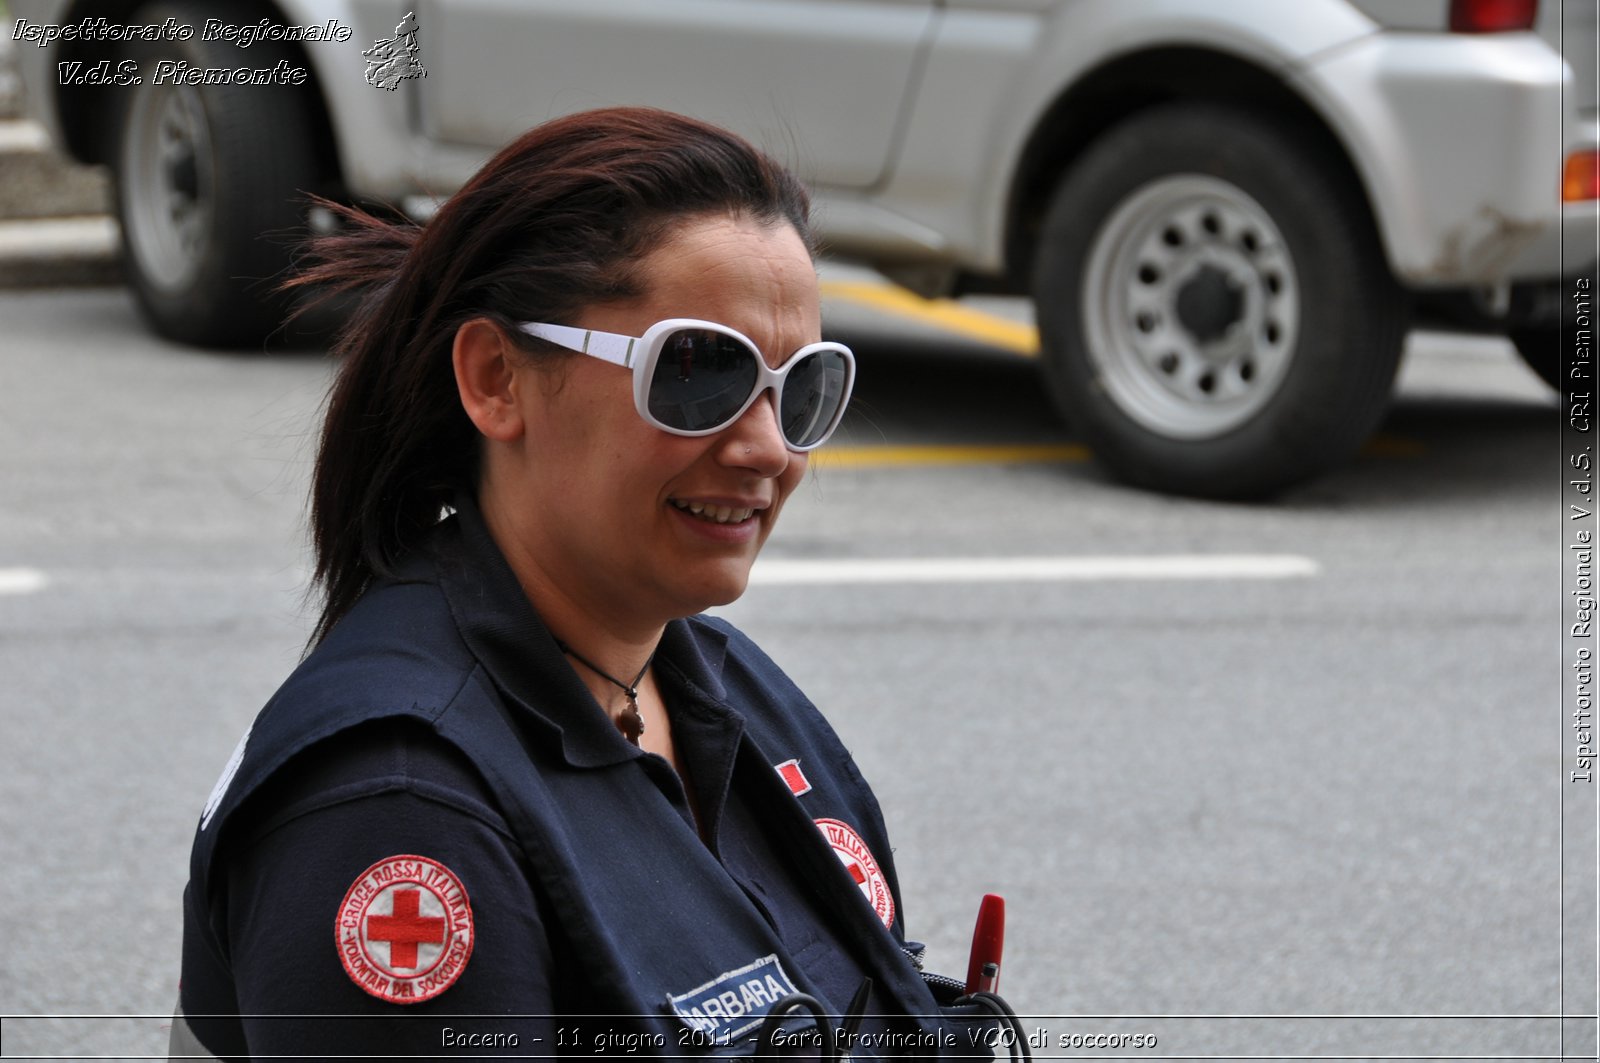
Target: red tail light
(1492,16)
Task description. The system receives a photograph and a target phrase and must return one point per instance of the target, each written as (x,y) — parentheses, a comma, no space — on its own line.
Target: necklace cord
(630,722)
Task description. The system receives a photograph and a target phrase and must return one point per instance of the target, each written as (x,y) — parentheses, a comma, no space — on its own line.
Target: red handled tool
(988,941)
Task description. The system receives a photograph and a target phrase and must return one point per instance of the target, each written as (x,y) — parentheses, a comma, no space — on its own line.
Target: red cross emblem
(405,930)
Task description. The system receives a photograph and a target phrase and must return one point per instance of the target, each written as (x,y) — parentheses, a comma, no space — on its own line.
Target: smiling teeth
(715,514)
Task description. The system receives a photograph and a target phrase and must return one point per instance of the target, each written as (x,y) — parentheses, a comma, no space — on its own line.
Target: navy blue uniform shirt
(432,840)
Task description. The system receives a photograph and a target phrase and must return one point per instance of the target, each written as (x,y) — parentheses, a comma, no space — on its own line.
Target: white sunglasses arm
(606,346)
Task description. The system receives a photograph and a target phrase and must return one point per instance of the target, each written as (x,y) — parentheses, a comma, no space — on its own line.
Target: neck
(623,664)
(616,641)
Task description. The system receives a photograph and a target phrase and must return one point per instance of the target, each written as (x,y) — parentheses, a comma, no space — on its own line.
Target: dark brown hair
(555,222)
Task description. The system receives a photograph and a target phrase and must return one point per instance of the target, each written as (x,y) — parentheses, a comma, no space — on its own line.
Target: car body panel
(381,153)
(911,118)
(1001,65)
(821,83)
(1456,205)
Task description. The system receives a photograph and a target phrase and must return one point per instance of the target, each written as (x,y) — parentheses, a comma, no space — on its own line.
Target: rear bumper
(1459,141)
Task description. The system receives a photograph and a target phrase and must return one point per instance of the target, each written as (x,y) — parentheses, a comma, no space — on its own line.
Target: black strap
(772,1025)
(995,1004)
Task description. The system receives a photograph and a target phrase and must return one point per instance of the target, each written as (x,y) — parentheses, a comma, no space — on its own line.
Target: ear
(486,379)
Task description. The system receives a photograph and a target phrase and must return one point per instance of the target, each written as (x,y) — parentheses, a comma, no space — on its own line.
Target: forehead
(754,277)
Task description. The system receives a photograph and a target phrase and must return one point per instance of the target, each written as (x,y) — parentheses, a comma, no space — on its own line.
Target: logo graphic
(862,865)
(404,929)
(392,61)
(229,770)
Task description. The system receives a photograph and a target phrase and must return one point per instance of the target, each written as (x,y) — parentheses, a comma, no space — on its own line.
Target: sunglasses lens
(701,379)
(812,395)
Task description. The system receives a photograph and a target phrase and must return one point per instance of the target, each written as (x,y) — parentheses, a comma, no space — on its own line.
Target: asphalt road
(1326,788)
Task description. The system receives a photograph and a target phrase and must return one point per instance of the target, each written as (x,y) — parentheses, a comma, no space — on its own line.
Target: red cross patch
(858,860)
(404,929)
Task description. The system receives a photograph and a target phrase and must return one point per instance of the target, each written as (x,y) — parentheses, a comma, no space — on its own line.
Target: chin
(719,589)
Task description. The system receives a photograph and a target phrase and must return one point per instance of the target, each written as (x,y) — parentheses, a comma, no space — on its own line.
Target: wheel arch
(88,126)
(1122,87)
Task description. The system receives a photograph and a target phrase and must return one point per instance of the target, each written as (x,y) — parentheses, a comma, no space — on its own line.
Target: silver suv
(1228,212)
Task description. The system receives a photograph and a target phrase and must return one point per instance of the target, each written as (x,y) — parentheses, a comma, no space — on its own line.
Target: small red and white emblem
(404,929)
(794,777)
(862,865)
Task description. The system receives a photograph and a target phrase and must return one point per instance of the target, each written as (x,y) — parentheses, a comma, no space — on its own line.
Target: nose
(755,441)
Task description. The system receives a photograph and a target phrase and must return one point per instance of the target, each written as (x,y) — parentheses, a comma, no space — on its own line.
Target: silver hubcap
(1192,307)
(170,183)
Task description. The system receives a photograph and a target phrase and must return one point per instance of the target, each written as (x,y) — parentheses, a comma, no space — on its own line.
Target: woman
(518,775)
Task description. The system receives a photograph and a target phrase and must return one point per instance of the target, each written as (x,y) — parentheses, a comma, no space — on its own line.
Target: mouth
(715,514)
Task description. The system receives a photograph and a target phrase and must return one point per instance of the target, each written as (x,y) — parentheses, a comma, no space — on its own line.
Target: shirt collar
(517,650)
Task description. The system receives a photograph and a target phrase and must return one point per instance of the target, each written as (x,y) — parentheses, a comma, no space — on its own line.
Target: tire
(1217,316)
(1541,349)
(208,186)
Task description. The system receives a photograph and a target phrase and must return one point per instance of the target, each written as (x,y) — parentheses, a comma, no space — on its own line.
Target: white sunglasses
(693,378)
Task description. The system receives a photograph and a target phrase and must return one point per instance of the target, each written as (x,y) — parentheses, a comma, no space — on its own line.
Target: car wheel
(1541,350)
(1217,317)
(208,188)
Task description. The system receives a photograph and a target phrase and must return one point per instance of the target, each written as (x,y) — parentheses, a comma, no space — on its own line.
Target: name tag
(735,1002)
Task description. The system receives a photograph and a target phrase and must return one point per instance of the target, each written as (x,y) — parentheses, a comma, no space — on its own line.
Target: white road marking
(1028,569)
(22,580)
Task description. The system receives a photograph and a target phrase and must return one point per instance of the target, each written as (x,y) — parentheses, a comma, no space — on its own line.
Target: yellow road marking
(883,457)
(945,313)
